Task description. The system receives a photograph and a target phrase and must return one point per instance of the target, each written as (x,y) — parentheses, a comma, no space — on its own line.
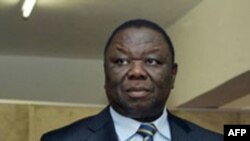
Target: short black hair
(138,23)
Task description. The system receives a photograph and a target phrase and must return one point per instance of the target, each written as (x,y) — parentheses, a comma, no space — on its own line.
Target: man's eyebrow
(151,50)
(123,50)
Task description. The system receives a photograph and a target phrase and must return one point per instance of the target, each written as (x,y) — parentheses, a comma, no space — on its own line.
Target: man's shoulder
(66,133)
(79,129)
(197,132)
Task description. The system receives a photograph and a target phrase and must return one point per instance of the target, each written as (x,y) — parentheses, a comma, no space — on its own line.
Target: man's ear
(174,73)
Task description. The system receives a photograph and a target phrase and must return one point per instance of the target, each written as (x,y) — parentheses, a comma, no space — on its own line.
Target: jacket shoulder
(83,129)
(197,132)
(70,132)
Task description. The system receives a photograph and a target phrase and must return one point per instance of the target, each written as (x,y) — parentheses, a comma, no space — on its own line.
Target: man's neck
(149,119)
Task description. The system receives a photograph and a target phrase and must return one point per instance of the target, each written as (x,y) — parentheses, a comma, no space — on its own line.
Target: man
(140,72)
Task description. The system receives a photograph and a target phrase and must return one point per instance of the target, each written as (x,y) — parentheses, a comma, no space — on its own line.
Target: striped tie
(147,131)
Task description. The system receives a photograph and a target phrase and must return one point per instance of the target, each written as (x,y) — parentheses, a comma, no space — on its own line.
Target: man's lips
(137,92)
(137,89)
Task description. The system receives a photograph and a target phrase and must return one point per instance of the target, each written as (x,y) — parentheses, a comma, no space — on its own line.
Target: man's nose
(137,71)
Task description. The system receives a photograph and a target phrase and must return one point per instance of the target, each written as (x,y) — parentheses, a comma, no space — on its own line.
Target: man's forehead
(142,32)
(137,36)
(138,51)
(160,36)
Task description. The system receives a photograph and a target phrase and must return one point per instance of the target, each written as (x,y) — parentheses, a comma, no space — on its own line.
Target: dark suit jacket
(101,128)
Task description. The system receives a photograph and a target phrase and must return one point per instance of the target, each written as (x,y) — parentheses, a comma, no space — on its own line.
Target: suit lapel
(179,129)
(102,127)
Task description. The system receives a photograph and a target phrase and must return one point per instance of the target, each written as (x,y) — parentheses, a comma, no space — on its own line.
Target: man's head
(139,69)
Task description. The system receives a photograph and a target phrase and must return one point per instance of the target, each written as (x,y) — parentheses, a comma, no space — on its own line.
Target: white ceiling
(77,28)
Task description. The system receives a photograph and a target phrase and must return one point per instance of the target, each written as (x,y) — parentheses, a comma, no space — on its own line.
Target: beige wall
(14,121)
(52,79)
(212,45)
(27,122)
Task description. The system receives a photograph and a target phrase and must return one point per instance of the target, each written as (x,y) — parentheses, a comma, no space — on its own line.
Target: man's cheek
(162,81)
(157,76)
(115,78)
(119,74)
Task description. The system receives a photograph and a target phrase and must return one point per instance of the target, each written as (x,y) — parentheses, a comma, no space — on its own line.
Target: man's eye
(151,61)
(121,61)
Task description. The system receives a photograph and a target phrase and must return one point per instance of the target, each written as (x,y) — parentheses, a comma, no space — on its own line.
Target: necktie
(147,131)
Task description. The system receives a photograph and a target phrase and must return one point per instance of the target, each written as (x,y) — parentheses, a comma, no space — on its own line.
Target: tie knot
(147,130)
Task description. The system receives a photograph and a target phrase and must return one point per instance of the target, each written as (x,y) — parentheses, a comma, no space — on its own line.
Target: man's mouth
(137,92)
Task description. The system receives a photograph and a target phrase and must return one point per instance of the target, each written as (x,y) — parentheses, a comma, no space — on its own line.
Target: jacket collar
(179,129)
(102,127)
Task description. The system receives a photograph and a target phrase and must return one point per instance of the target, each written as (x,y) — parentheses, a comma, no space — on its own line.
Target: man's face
(139,72)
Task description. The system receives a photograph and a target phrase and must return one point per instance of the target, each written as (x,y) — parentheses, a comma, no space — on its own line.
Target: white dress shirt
(126,127)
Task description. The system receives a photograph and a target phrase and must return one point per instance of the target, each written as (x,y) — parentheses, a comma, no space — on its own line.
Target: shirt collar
(125,130)
(162,125)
